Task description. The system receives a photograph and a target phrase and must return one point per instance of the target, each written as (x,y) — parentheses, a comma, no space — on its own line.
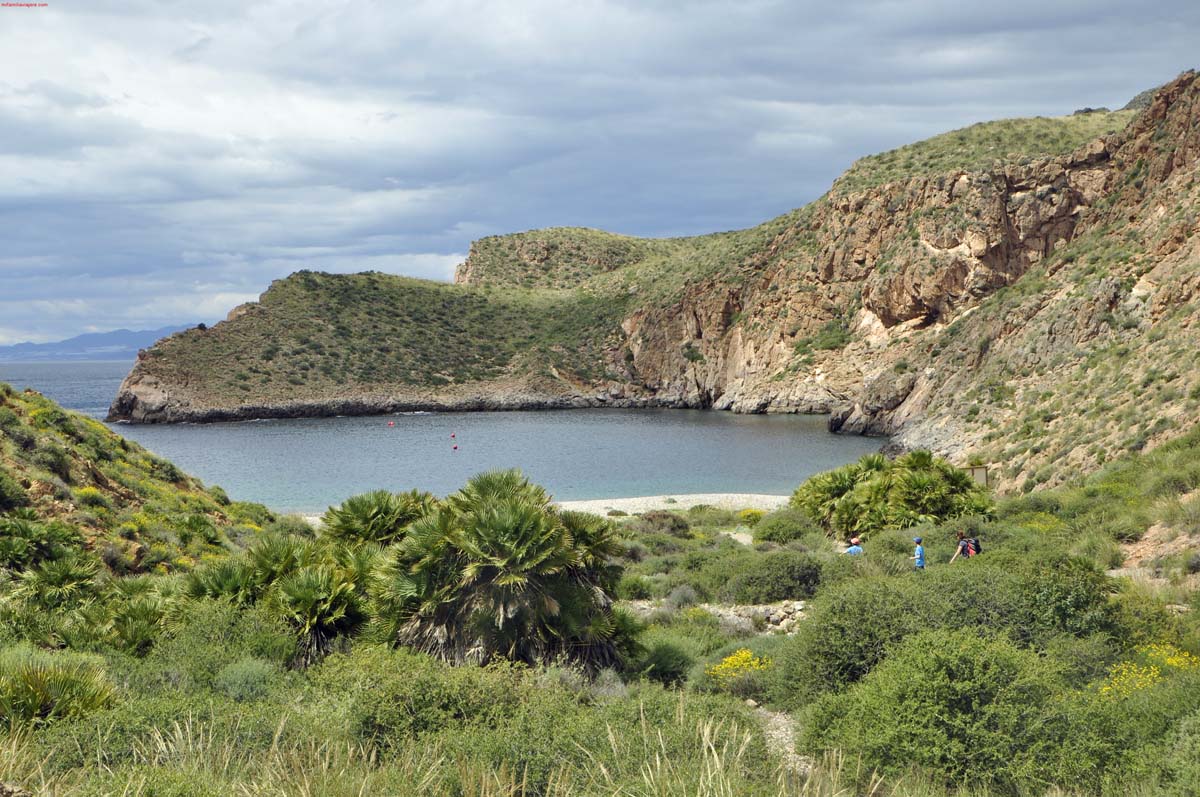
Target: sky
(162,162)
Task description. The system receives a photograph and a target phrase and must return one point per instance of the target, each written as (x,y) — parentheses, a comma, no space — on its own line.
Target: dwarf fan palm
(36,687)
(377,516)
(276,556)
(232,579)
(321,604)
(59,583)
(497,572)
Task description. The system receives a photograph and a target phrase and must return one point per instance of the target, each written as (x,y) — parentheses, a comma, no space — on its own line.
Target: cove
(306,465)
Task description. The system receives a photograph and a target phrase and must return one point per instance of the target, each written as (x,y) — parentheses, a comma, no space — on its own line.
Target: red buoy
(391,423)
(452,435)
(456,448)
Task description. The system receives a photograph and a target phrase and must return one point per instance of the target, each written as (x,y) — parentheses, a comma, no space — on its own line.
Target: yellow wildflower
(737,664)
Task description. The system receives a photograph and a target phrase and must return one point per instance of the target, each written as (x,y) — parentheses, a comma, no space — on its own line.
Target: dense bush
(203,637)
(393,696)
(12,494)
(660,522)
(780,575)
(784,525)
(853,623)
(876,493)
(245,679)
(961,707)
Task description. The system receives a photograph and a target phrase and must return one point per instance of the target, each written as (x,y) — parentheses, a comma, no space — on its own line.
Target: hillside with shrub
(941,293)
(488,643)
(68,483)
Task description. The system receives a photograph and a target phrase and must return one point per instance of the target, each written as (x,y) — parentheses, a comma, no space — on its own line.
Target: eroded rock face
(873,306)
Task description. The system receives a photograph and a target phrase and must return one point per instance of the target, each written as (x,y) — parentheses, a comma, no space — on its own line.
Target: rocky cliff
(1019,293)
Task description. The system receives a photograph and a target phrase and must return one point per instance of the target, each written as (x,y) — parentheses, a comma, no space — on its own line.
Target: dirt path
(744,537)
(780,733)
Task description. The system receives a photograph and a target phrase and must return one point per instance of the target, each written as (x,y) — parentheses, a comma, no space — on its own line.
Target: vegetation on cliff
(979,146)
(938,294)
(67,483)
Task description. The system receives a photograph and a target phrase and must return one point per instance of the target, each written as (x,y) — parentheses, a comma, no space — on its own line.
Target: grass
(979,146)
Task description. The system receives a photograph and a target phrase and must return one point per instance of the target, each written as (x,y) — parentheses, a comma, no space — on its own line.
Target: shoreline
(646,503)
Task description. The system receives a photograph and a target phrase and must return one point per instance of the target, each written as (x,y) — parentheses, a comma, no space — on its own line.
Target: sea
(306,465)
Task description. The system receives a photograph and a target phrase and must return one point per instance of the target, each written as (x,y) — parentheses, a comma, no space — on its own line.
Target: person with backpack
(967,547)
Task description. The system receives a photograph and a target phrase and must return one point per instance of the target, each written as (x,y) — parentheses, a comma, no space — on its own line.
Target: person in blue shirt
(855,548)
(918,556)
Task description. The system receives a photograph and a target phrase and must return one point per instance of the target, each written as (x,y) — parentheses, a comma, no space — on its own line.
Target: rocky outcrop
(942,309)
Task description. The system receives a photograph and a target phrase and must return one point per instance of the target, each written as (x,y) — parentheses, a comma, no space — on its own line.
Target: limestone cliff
(1021,310)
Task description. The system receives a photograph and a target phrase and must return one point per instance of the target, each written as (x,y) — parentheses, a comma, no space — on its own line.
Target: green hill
(935,295)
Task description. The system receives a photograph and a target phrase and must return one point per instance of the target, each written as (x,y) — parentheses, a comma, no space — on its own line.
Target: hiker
(967,547)
(855,548)
(918,557)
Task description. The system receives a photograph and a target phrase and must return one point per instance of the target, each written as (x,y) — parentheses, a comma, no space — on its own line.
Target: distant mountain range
(120,344)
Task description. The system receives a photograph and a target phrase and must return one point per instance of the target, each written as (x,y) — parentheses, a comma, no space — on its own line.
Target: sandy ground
(601,506)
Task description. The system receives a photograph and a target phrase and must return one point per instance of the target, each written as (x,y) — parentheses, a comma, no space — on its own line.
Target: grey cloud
(165,159)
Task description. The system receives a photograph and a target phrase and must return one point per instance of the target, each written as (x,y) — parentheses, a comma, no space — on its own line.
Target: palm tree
(274,557)
(231,579)
(321,604)
(378,516)
(497,572)
(874,494)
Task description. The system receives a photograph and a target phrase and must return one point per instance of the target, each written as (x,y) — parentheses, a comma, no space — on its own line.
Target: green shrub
(12,494)
(851,624)
(655,741)
(1122,728)
(202,637)
(391,697)
(37,687)
(245,679)
(1182,757)
(660,522)
(750,682)
(780,575)
(632,588)
(92,497)
(751,517)
(784,525)
(666,661)
(54,459)
(681,597)
(963,708)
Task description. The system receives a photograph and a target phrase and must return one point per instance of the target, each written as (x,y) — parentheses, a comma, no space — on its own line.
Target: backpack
(973,547)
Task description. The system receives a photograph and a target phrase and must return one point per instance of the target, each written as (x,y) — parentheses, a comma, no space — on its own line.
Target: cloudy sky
(161,162)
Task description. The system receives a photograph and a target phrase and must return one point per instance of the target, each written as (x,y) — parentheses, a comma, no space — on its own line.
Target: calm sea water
(305,465)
